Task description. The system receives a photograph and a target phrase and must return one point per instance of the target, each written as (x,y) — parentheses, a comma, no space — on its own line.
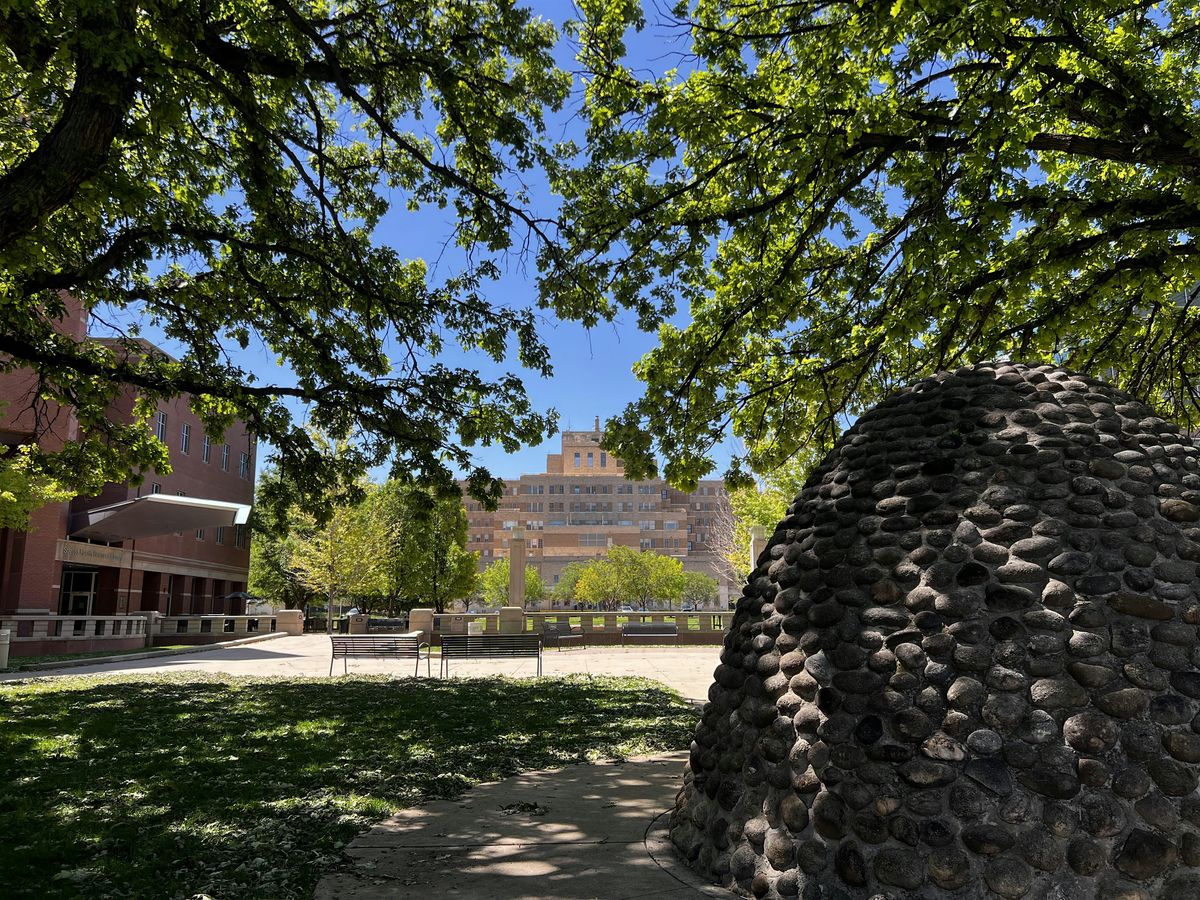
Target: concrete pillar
(422,620)
(756,545)
(153,626)
(516,568)
(512,620)
(4,636)
(290,620)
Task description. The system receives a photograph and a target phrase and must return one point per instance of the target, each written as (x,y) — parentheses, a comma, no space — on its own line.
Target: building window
(593,540)
(155,487)
(185,439)
(590,461)
(244,467)
(577,460)
(646,526)
(603,459)
(239,536)
(206,449)
(220,534)
(225,458)
(199,534)
(160,427)
(670,526)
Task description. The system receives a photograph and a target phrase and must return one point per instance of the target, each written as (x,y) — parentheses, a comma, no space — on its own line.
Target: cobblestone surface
(966,664)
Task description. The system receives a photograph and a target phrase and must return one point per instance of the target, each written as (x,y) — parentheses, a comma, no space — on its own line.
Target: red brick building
(176,544)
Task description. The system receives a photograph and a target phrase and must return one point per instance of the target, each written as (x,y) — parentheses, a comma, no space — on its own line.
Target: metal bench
(555,634)
(379,646)
(490,646)
(650,632)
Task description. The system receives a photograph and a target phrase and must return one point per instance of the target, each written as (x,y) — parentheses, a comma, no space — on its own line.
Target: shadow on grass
(177,785)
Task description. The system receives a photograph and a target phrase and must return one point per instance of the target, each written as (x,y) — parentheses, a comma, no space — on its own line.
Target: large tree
(218,171)
(852,195)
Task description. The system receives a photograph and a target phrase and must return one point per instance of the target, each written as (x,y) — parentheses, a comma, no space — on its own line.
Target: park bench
(379,646)
(490,646)
(555,634)
(650,632)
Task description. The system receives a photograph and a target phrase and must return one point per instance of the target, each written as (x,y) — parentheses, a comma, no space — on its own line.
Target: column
(516,568)
(756,545)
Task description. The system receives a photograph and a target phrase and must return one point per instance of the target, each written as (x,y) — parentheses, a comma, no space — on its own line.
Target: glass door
(78,592)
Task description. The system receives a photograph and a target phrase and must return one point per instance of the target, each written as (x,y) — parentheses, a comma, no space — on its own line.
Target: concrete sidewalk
(595,831)
(686,669)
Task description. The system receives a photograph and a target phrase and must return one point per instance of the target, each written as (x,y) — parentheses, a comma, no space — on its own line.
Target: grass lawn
(16,662)
(177,785)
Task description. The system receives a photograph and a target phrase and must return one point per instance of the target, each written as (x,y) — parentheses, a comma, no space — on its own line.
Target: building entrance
(78,591)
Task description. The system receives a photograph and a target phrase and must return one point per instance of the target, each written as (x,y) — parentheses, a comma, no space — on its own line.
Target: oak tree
(848,196)
(218,171)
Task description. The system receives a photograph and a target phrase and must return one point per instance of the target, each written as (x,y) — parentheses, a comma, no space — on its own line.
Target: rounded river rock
(966,663)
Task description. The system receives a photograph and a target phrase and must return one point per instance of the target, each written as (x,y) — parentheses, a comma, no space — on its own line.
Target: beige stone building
(583,504)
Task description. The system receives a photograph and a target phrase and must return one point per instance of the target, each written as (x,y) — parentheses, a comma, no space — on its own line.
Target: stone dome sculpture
(966,665)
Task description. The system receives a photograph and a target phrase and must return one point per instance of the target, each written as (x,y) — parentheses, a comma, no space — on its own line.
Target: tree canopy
(625,575)
(424,561)
(493,584)
(218,172)
(849,196)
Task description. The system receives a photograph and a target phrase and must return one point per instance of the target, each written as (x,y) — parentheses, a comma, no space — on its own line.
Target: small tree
(493,584)
(698,590)
(762,504)
(626,575)
(564,589)
(339,557)
(599,583)
(425,560)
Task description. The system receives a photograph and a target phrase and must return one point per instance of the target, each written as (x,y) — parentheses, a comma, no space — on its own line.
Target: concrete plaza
(687,669)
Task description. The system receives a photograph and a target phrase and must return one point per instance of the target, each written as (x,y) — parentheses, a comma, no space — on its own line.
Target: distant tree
(493,584)
(599,583)
(568,579)
(272,572)
(339,556)
(219,171)
(625,575)
(761,503)
(699,590)
(425,560)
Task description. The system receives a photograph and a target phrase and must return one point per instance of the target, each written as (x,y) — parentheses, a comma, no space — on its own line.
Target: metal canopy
(156,514)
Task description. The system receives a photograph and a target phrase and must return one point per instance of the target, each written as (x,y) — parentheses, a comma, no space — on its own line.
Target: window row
(185,446)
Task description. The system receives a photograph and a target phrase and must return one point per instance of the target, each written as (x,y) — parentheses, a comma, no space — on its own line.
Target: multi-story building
(176,543)
(583,504)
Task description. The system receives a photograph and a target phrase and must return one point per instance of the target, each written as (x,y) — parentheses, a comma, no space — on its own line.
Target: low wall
(599,629)
(44,635)
(35,635)
(210,629)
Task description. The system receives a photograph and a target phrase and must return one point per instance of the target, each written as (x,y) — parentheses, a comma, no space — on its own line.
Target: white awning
(156,514)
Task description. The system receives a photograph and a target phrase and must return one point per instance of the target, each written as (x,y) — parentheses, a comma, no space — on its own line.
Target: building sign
(79,553)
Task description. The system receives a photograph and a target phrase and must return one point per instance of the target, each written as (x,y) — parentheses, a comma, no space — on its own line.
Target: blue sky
(592,368)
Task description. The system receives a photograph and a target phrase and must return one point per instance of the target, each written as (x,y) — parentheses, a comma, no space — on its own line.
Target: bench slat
(361,646)
(491,646)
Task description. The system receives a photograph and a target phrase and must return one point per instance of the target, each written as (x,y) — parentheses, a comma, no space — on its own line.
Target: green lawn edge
(182,784)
